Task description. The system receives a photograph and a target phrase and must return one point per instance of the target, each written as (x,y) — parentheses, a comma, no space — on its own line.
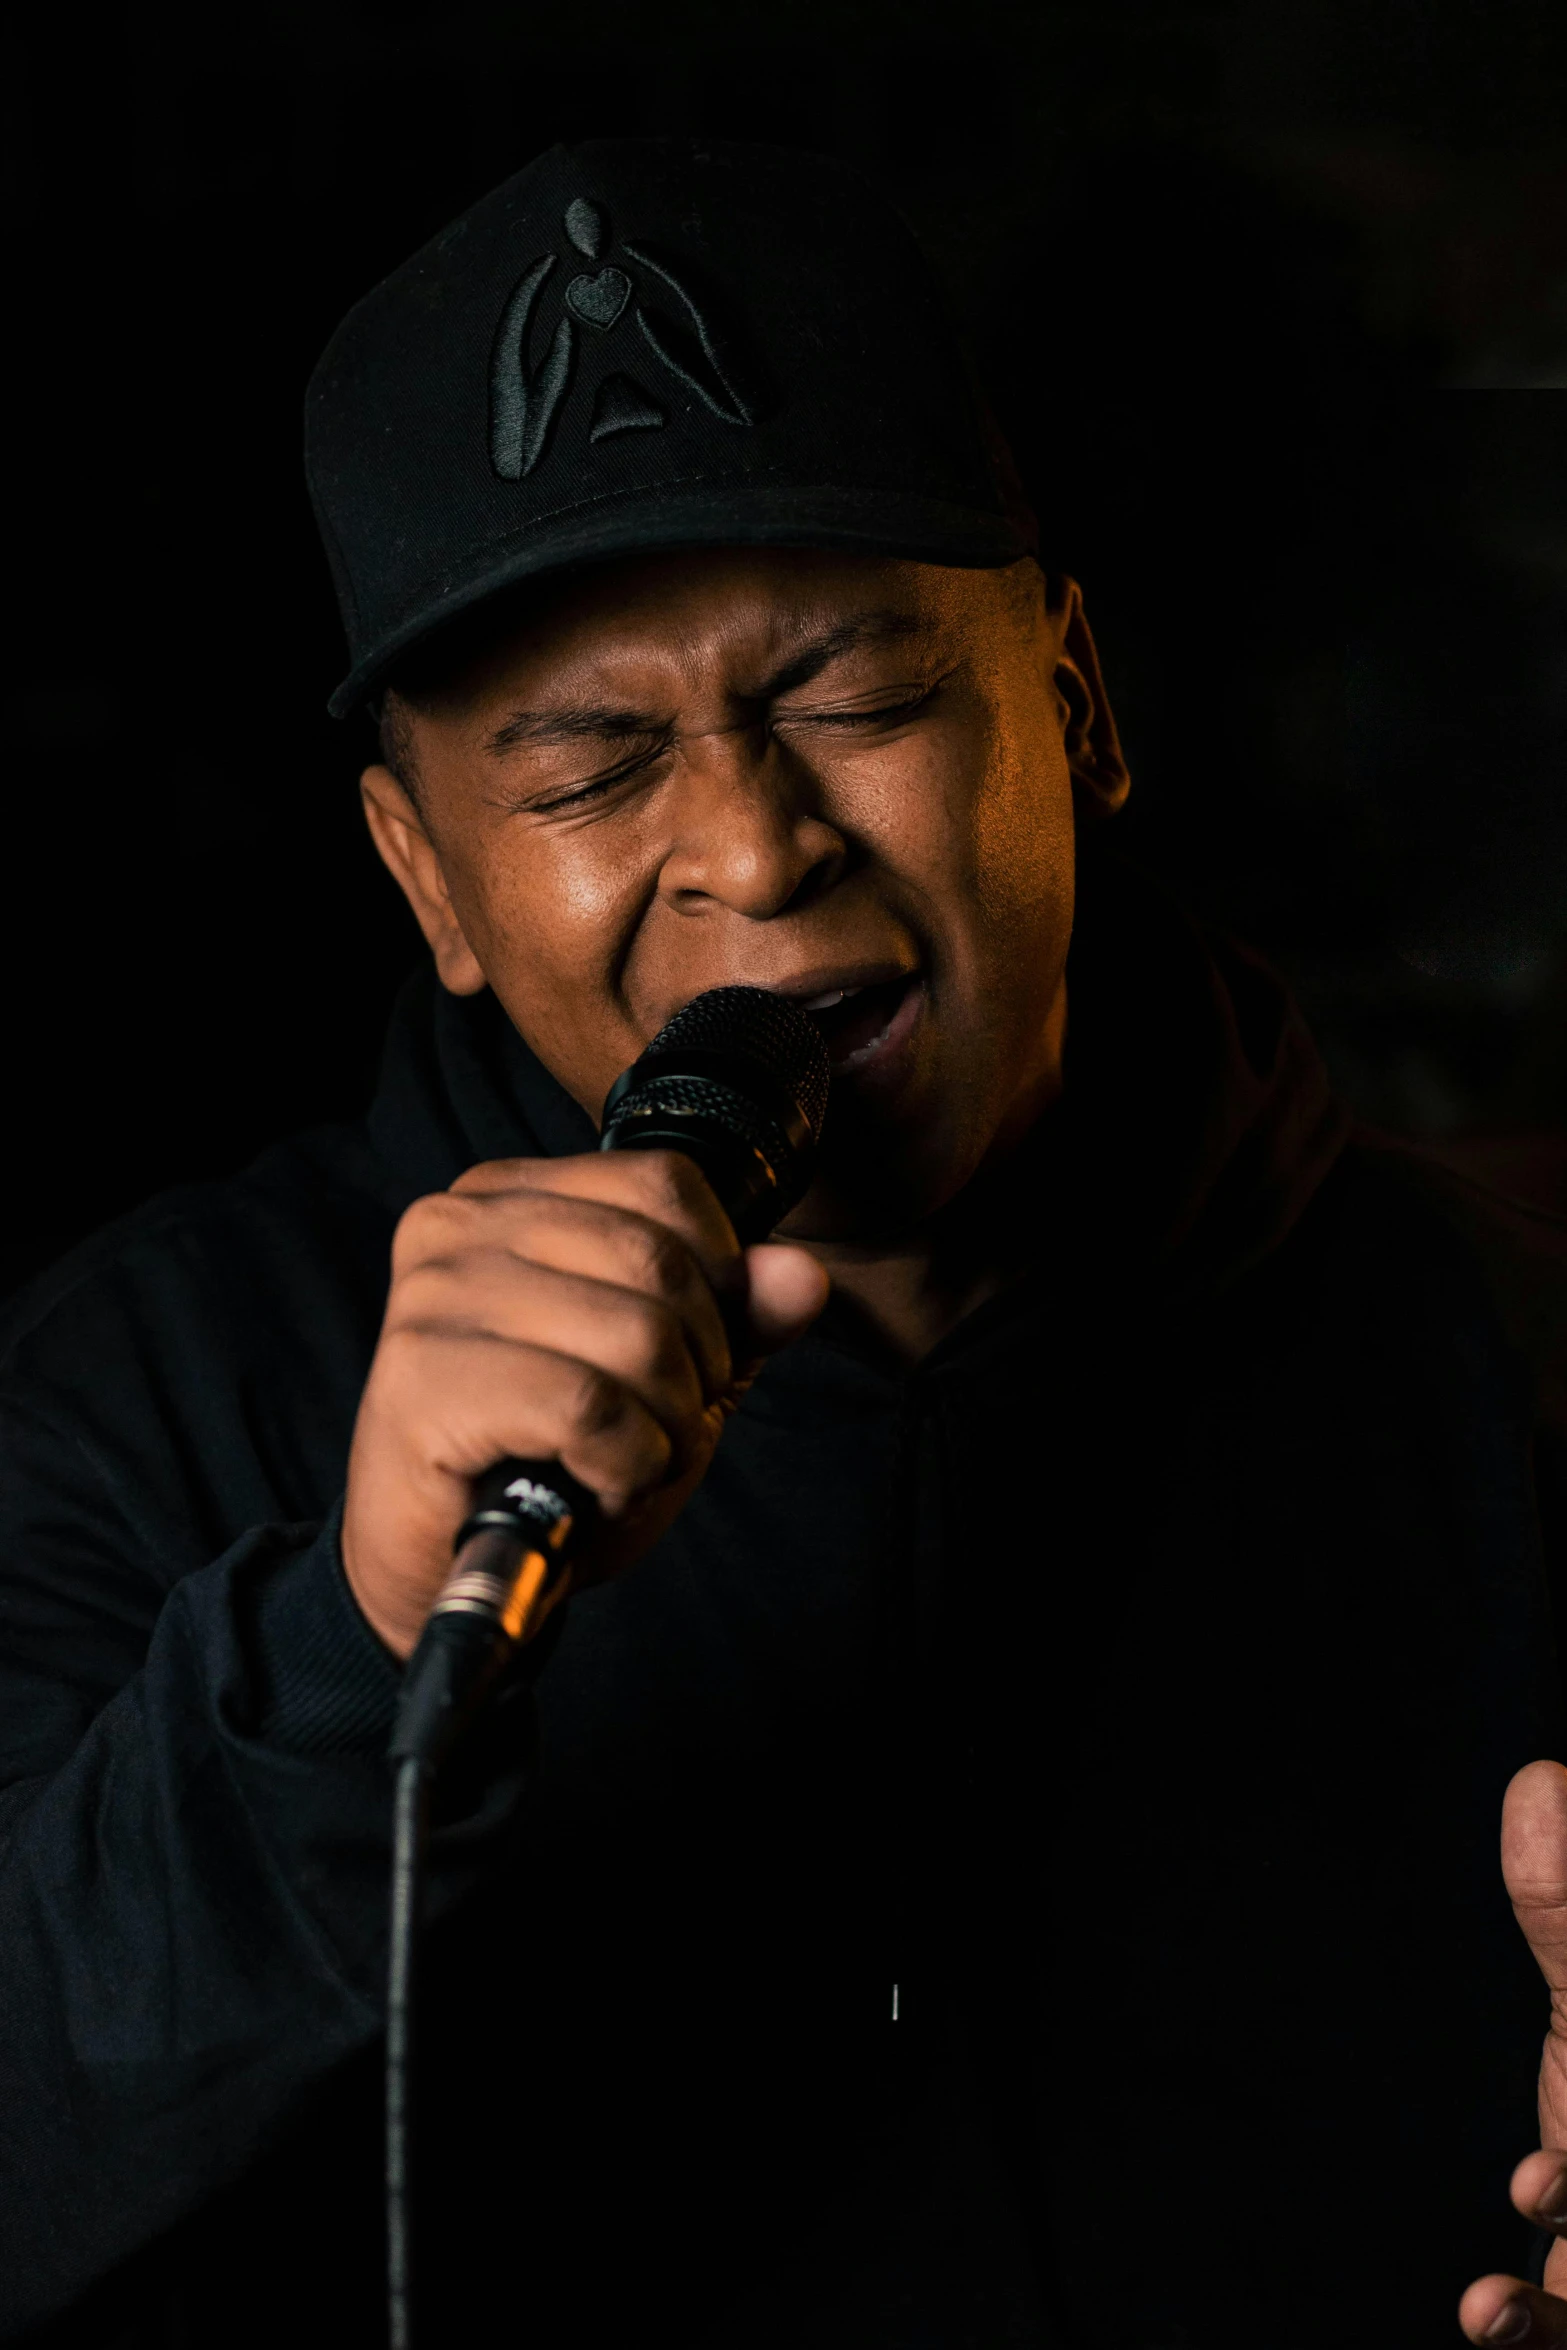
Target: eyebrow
(570,722)
(851,636)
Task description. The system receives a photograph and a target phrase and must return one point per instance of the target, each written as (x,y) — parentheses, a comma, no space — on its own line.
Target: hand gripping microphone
(738,1081)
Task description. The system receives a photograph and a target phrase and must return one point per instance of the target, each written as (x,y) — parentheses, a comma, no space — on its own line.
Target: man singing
(999,1849)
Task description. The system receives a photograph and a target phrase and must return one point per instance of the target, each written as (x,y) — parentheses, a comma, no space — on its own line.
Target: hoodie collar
(1197,1118)
(458,1086)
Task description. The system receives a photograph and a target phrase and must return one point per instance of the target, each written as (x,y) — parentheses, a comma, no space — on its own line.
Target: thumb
(787,1290)
(1534,1864)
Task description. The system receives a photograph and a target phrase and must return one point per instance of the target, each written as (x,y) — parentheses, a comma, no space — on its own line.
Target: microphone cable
(737,1081)
(410,1801)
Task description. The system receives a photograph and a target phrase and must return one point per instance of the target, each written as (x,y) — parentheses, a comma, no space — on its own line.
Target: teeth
(827,1002)
(863,1052)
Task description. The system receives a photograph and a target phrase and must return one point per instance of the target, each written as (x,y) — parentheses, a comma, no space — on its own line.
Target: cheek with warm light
(1024,840)
(1002,879)
(970,827)
(548,919)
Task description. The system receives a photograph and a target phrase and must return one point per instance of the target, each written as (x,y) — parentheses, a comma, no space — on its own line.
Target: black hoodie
(1014,1866)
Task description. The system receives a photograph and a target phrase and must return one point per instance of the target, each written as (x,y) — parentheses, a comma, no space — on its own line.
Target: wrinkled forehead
(737,614)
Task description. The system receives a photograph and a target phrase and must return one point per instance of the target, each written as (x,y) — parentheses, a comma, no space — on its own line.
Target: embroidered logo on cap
(648,299)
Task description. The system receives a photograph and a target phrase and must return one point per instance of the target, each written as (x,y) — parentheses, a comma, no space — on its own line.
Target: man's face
(786,769)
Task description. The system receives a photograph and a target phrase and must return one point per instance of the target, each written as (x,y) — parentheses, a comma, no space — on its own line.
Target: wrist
(397,1628)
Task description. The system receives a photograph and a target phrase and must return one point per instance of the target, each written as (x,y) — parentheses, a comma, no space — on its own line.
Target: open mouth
(858,1022)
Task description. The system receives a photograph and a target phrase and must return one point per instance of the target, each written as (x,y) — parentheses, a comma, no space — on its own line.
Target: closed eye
(907,702)
(594,786)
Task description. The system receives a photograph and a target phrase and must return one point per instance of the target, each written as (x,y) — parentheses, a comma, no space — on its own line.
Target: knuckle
(595,1402)
(401,1343)
(409,1237)
(672,1181)
(425,1292)
(428,1226)
(400,1372)
(661,1345)
(662,1259)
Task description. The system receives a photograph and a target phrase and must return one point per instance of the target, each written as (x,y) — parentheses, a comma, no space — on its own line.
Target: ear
(1100,782)
(409,856)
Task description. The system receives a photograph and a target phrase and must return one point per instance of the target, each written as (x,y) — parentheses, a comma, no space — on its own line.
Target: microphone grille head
(761,1027)
(738,1082)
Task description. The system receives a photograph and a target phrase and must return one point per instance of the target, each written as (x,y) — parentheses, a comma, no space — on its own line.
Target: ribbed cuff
(329,1685)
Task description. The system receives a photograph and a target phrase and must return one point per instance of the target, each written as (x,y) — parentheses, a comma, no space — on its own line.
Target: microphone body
(738,1082)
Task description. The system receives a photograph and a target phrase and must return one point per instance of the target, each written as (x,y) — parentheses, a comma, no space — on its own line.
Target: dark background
(1273,302)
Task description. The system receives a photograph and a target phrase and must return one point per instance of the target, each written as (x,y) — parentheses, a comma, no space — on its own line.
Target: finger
(414,1455)
(665,1185)
(1502,2310)
(476,1398)
(1534,1864)
(585,1237)
(786,1289)
(1539,2189)
(490,1295)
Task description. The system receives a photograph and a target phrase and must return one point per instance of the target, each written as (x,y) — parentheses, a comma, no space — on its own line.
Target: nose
(749,835)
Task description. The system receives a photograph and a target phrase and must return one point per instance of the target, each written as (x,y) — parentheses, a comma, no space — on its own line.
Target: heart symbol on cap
(599,301)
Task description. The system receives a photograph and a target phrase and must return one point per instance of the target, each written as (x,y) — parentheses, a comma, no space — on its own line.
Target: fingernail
(1552,2205)
(1510,2324)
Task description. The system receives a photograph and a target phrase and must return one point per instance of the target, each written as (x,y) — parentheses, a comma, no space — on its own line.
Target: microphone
(738,1081)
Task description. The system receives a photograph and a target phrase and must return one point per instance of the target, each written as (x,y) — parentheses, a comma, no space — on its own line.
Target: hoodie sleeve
(194,1843)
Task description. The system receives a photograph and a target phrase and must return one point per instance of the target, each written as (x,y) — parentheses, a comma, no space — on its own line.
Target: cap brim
(732,514)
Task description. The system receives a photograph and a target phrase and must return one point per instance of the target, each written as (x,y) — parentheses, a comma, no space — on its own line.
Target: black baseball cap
(638,344)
